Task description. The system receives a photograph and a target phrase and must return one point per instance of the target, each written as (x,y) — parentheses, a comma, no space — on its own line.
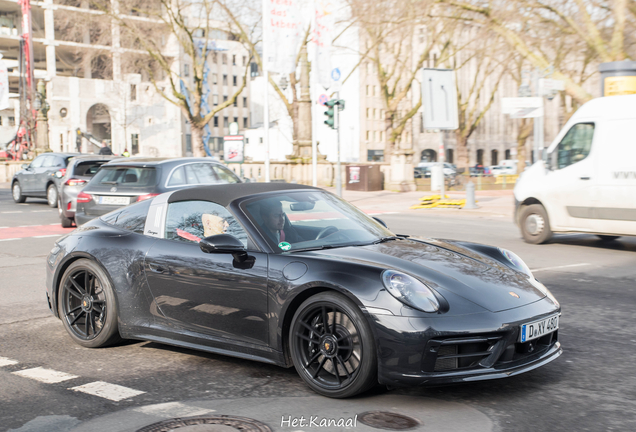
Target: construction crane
(88,137)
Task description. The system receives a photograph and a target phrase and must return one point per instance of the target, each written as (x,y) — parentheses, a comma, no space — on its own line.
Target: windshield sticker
(284,246)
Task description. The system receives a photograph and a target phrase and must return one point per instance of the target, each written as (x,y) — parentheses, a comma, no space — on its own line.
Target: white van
(587,180)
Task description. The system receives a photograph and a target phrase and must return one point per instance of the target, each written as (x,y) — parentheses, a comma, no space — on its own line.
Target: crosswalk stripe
(105,390)
(7,362)
(47,376)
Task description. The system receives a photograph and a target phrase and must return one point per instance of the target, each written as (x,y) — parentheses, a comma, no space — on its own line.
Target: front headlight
(410,291)
(516,262)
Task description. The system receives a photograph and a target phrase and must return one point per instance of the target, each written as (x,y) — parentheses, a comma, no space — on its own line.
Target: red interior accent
(186,235)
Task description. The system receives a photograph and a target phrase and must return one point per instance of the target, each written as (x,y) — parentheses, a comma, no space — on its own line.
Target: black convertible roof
(224,194)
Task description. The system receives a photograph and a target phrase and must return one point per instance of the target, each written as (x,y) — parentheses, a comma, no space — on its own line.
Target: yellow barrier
(509,179)
(430,202)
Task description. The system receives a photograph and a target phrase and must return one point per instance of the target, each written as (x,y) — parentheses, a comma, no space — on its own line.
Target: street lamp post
(42,126)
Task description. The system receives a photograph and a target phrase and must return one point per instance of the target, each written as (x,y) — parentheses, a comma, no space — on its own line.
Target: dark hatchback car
(40,178)
(79,171)
(124,181)
(295,276)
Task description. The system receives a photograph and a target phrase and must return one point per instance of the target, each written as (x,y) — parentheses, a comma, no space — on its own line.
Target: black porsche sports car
(295,276)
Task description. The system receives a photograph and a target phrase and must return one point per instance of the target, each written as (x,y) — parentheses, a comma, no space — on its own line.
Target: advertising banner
(283,33)
(233,149)
(323,35)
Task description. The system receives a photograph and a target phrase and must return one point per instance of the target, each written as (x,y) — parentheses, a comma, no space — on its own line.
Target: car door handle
(157,268)
(585,178)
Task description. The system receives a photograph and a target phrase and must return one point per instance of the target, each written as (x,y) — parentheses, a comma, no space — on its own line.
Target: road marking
(7,362)
(41,211)
(105,390)
(172,409)
(559,267)
(26,226)
(20,211)
(50,235)
(9,239)
(47,376)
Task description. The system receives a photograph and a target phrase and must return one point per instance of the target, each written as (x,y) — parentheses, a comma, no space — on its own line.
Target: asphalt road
(592,387)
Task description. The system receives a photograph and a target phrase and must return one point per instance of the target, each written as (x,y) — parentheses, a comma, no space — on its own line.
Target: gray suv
(41,178)
(125,181)
(78,173)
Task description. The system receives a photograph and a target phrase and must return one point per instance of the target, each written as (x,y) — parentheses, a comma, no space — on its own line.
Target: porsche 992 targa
(295,276)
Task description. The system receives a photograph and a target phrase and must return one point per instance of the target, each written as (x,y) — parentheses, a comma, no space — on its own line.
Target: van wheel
(535,226)
(608,238)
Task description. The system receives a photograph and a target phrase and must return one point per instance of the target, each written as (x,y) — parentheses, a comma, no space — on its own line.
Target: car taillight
(68,206)
(84,197)
(74,182)
(147,196)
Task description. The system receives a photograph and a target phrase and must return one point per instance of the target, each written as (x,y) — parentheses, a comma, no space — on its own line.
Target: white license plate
(540,328)
(110,200)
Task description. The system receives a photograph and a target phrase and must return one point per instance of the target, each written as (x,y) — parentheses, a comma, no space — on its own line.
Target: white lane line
(20,211)
(26,226)
(49,235)
(559,267)
(172,409)
(47,376)
(7,362)
(105,390)
(10,239)
(4,227)
(41,211)
(56,223)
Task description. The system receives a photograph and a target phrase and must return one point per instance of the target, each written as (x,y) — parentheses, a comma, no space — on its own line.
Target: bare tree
(603,27)
(167,30)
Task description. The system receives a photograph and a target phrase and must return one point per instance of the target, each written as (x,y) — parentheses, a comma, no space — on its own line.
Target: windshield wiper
(314,248)
(386,239)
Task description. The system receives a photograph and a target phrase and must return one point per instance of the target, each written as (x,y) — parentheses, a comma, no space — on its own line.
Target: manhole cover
(220,423)
(388,420)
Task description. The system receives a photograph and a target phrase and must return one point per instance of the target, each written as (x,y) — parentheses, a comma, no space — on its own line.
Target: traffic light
(331,111)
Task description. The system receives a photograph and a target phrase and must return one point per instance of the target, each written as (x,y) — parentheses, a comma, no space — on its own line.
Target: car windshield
(125,176)
(295,221)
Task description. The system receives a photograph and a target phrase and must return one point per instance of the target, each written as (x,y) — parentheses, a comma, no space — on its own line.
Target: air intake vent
(443,364)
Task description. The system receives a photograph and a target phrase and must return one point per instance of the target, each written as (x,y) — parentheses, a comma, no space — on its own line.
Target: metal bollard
(504,181)
(470,196)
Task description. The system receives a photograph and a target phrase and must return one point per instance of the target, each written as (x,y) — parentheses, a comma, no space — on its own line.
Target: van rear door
(615,184)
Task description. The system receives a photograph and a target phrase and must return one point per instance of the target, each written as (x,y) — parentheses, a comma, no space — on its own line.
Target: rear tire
(535,225)
(608,238)
(16,192)
(52,195)
(337,359)
(87,305)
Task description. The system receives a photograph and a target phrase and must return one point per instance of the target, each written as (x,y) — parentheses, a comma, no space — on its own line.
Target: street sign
(439,97)
(548,87)
(323,99)
(233,149)
(234,128)
(335,74)
(522,107)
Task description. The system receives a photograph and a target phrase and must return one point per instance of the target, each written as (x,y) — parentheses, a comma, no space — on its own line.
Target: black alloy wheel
(86,305)
(332,346)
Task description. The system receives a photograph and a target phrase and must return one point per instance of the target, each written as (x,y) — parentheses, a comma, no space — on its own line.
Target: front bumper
(454,349)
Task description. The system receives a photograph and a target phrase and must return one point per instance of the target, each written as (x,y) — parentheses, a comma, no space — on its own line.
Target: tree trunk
(462,152)
(197,141)
(525,127)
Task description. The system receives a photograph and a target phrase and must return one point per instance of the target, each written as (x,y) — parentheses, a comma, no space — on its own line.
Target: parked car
(293,275)
(421,172)
(78,172)
(127,180)
(587,181)
(38,179)
(449,169)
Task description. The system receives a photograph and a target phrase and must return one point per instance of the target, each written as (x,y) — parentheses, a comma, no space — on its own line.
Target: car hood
(450,266)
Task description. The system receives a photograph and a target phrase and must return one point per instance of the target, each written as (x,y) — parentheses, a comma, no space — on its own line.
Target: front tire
(52,195)
(332,346)
(535,225)
(16,192)
(87,306)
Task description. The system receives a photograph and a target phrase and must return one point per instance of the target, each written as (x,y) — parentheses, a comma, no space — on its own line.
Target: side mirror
(544,155)
(25,166)
(381,222)
(221,243)
(58,174)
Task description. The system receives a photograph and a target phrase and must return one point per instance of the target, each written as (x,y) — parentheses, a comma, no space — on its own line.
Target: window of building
(134,144)
(234,80)
(11,121)
(368,93)
(375,155)
(186,70)
(368,112)
(381,136)
(244,60)
(368,135)
(215,78)
(133,92)
(375,113)
(216,121)
(215,57)
(225,98)
(244,122)
(244,102)
(0,121)
(215,99)
(224,79)
(233,60)
(235,102)
(375,90)
(375,136)
(236,120)
(224,58)
(226,122)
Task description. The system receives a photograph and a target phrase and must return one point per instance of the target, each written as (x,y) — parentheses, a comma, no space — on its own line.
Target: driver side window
(575,145)
(191,221)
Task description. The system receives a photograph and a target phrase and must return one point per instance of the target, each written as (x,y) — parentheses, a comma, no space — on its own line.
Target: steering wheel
(323,232)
